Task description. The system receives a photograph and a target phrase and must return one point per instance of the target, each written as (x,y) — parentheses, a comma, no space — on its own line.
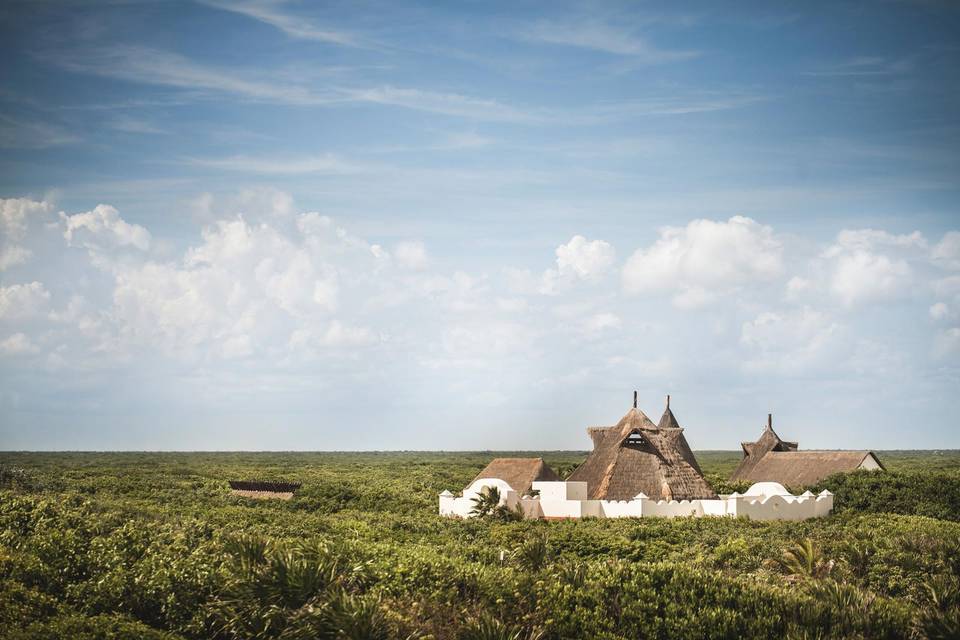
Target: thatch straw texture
(802,468)
(636,456)
(263,495)
(754,451)
(771,459)
(519,473)
(264,485)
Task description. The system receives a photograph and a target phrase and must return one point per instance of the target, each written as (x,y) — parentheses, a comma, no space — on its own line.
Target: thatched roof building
(771,459)
(637,456)
(519,473)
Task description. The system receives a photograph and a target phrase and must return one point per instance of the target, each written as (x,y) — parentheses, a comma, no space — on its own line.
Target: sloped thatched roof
(771,459)
(801,468)
(754,451)
(636,456)
(519,473)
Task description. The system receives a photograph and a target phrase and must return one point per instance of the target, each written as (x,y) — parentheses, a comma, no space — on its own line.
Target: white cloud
(870,265)
(939,311)
(411,255)
(15,214)
(585,259)
(947,251)
(293,26)
(797,286)
(334,335)
(789,342)
(853,240)
(601,322)
(23,300)
(866,277)
(103,228)
(705,258)
(12,255)
(17,344)
(604,37)
(577,260)
(328,164)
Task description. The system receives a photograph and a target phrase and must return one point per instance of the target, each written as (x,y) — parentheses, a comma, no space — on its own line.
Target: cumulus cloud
(12,255)
(15,215)
(947,251)
(103,228)
(789,342)
(577,260)
(23,300)
(584,259)
(797,286)
(703,259)
(864,277)
(851,240)
(17,344)
(599,323)
(411,255)
(868,265)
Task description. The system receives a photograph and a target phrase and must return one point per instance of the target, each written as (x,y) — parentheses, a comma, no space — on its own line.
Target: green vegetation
(136,545)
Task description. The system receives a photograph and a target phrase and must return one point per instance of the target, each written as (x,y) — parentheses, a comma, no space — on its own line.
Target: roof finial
(634,398)
(770,421)
(668,401)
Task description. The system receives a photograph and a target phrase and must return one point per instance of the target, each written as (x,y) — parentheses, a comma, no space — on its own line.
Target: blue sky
(297,225)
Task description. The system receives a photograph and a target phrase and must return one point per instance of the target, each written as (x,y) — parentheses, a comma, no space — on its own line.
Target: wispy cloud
(161,68)
(863,66)
(295,27)
(30,134)
(316,164)
(152,66)
(604,37)
(127,124)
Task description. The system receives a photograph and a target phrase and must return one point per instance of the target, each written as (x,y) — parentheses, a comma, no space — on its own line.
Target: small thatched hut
(519,473)
(637,456)
(771,459)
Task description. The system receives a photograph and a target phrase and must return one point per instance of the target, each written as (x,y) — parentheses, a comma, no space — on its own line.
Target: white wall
(762,501)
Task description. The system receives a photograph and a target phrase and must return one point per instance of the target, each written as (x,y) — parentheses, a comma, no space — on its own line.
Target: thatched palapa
(519,473)
(771,459)
(637,456)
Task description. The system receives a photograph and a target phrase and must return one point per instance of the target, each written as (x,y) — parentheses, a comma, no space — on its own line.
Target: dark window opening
(636,440)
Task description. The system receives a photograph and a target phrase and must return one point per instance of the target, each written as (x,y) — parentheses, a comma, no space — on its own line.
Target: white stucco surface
(565,500)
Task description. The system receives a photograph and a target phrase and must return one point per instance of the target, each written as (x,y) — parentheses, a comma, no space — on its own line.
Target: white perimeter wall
(762,501)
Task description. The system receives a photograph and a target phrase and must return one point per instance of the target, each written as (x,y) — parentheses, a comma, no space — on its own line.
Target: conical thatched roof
(519,473)
(636,456)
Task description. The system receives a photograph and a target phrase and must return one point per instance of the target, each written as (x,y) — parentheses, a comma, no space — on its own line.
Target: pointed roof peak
(668,420)
(636,419)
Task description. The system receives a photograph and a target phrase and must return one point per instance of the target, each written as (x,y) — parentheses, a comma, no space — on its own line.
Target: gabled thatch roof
(802,468)
(771,459)
(636,456)
(519,473)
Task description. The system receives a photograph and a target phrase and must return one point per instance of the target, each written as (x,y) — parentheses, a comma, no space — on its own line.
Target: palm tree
(486,503)
(803,559)
(486,627)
